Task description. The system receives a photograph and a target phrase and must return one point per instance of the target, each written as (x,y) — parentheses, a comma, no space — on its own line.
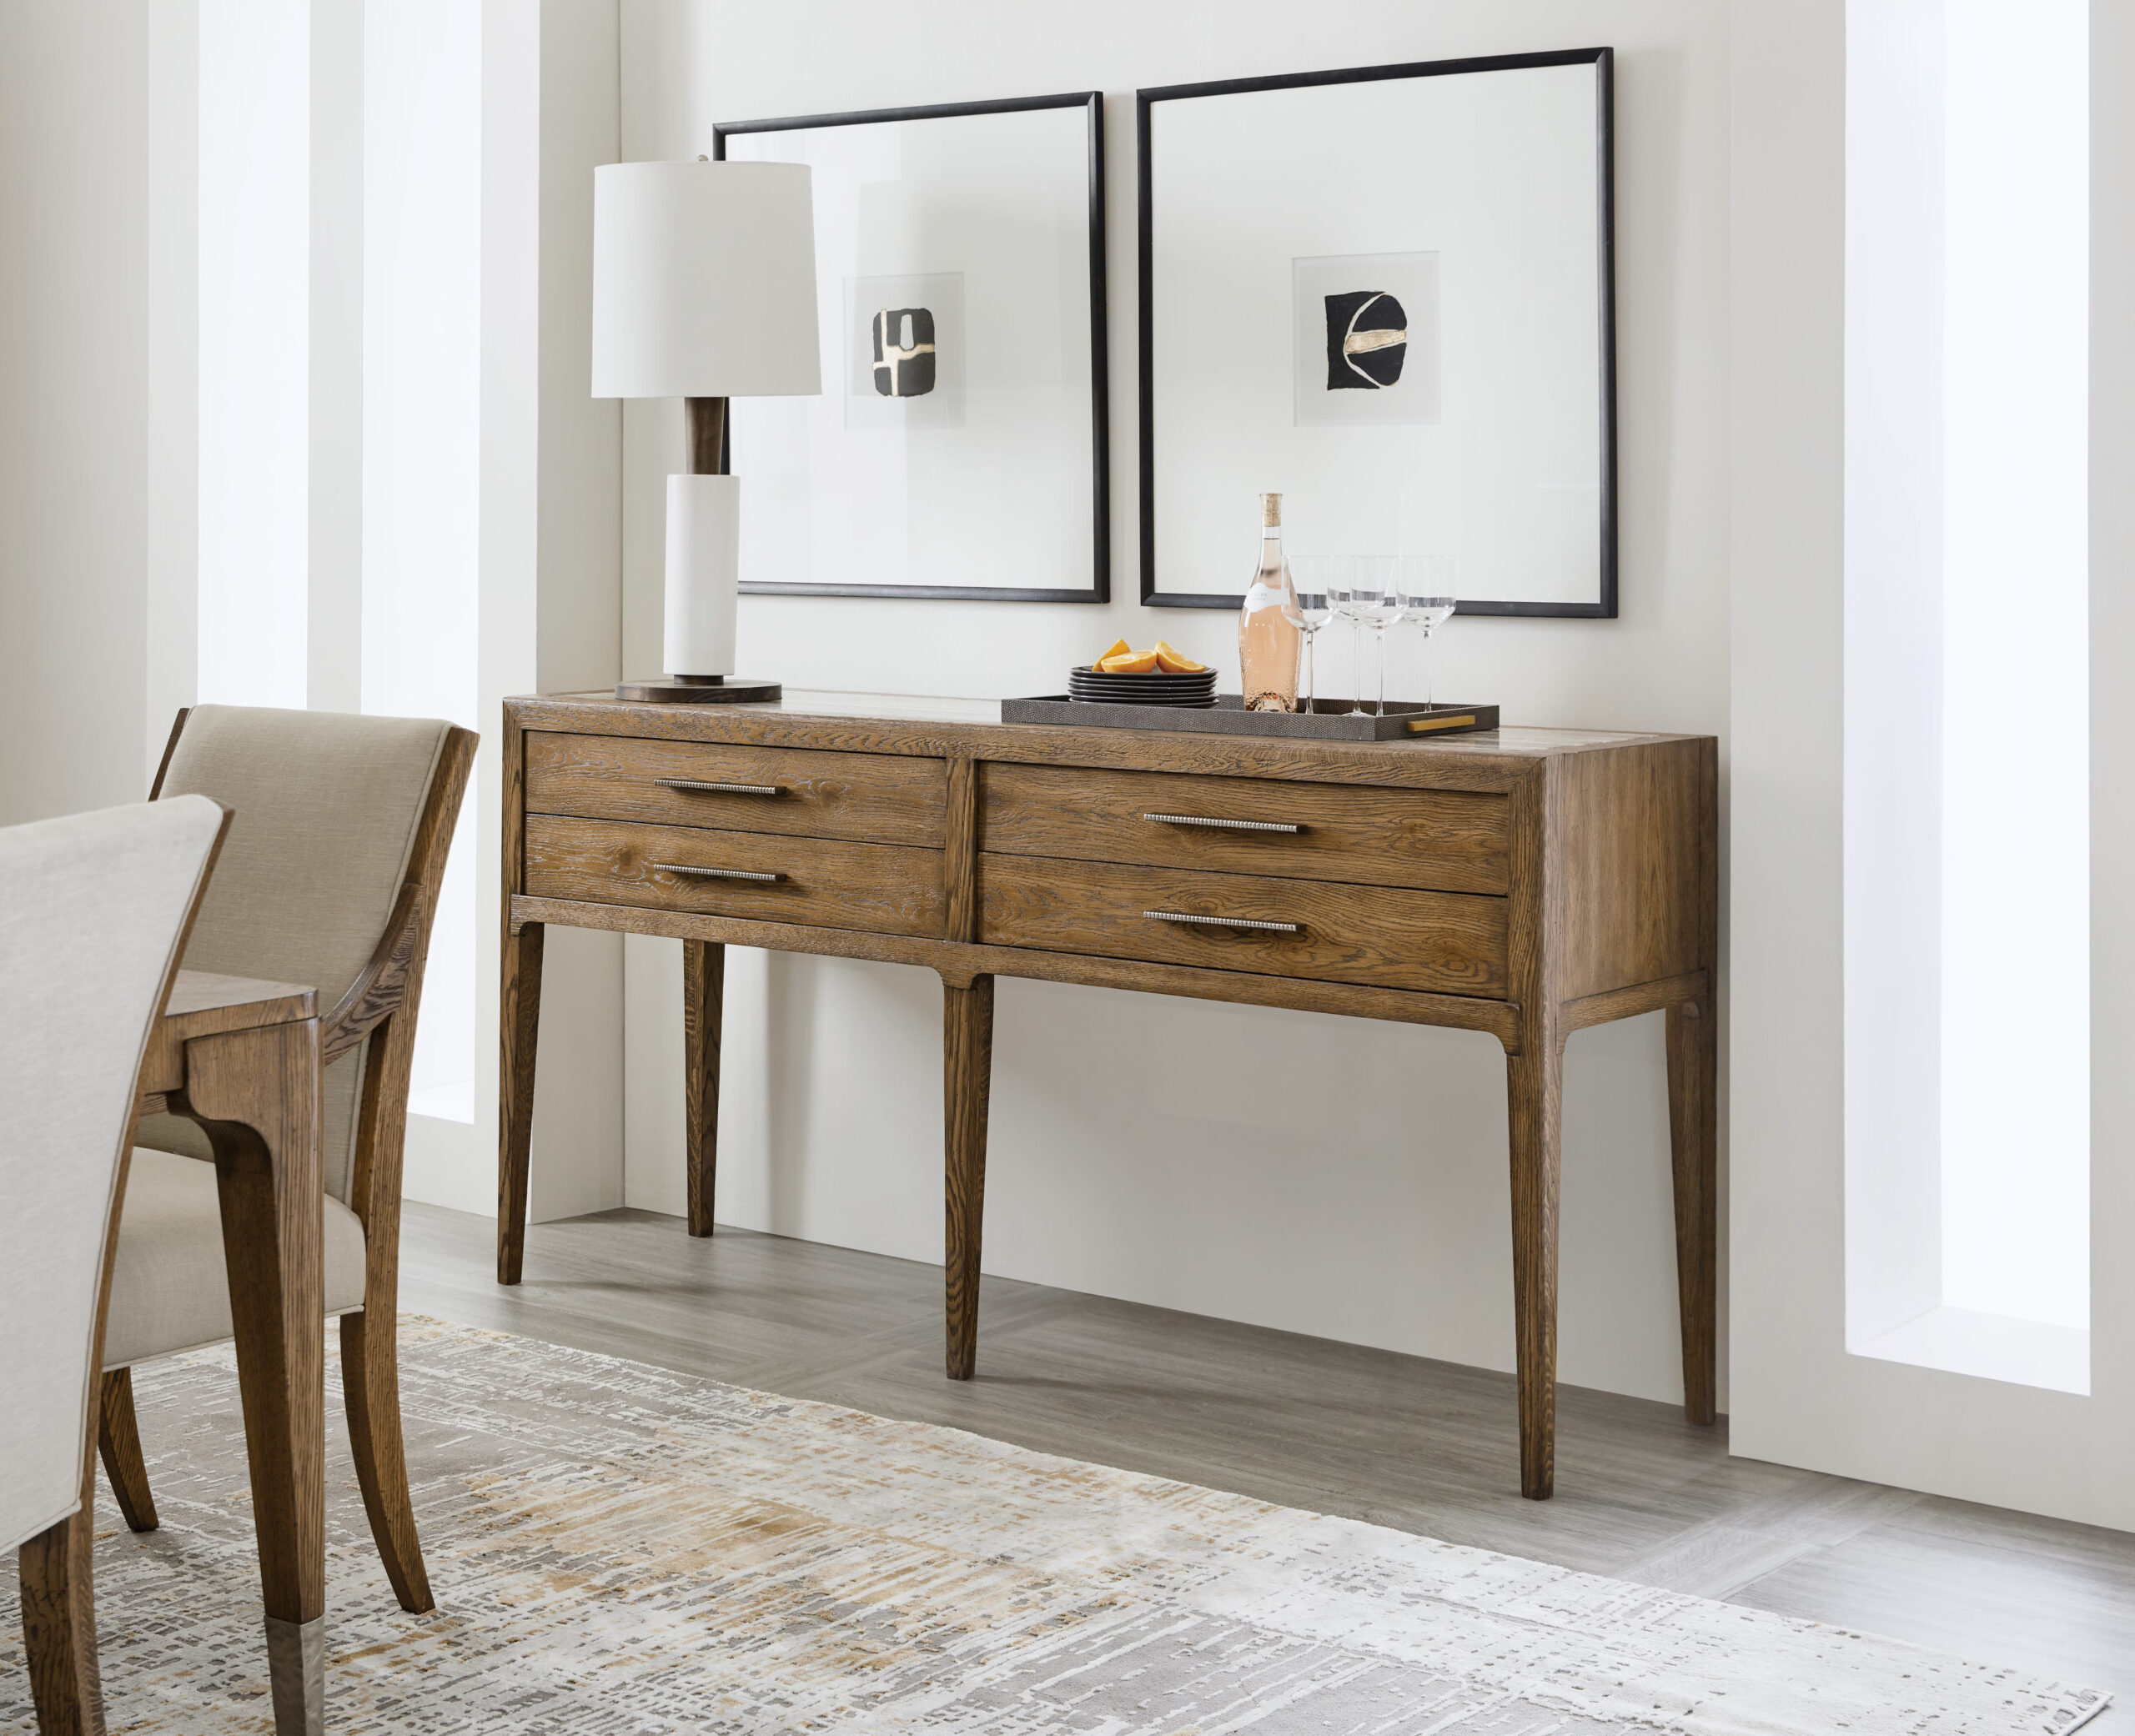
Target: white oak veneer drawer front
(1447,841)
(810,792)
(1448,943)
(752,877)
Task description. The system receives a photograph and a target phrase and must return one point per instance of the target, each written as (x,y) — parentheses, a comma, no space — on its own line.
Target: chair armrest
(381,986)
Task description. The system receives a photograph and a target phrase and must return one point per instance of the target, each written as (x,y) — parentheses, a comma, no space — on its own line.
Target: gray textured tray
(1404,721)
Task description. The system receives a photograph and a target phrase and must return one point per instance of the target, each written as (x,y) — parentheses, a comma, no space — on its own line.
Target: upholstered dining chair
(330,877)
(93,914)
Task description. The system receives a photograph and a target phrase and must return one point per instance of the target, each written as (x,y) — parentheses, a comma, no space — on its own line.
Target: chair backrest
(328,808)
(94,911)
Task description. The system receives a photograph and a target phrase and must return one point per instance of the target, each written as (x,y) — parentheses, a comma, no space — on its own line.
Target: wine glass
(1342,601)
(1426,584)
(1319,578)
(1378,605)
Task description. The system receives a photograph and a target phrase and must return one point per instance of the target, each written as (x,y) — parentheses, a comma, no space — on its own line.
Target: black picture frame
(1603,59)
(1099,589)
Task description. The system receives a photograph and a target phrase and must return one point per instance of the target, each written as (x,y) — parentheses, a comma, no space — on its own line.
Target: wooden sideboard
(1523,882)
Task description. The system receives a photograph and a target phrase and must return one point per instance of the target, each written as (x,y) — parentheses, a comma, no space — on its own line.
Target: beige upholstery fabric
(326,807)
(169,1288)
(90,913)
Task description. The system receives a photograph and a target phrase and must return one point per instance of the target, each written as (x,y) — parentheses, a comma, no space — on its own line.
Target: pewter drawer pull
(723,789)
(716,873)
(1280,928)
(1227,825)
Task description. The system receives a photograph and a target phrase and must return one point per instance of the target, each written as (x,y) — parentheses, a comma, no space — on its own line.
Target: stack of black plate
(1157,688)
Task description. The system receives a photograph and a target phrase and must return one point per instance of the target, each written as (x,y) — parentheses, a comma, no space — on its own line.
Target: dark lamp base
(699,690)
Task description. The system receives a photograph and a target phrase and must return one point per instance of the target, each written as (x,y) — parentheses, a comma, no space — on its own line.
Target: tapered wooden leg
(54,1568)
(1693,1135)
(370,1388)
(255,1093)
(704,977)
(119,1441)
(59,1621)
(519,1024)
(968,1069)
(1534,1079)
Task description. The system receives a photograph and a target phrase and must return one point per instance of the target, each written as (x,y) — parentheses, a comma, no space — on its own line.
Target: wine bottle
(1270,639)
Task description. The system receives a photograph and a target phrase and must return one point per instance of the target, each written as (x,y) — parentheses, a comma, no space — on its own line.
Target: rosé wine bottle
(1270,637)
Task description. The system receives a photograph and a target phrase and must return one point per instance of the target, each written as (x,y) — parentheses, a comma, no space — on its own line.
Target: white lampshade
(704,280)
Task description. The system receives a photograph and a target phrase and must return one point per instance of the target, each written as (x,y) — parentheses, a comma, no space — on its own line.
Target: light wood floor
(1426,1447)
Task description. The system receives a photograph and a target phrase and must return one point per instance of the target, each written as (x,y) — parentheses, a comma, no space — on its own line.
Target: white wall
(171,611)
(1330,1176)
(134,580)
(1893,669)
(74,384)
(2016,1124)
(549,571)
(1966,580)
(1363,1194)
(254,380)
(1797,1396)
(334,553)
(420,403)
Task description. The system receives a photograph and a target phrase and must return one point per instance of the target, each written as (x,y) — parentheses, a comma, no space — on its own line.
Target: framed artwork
(1387,294)
(958,449)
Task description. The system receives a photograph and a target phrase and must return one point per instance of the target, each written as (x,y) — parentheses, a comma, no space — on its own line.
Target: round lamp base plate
(699,690)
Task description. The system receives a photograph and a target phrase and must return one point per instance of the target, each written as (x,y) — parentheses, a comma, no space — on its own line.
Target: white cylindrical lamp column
(704,289)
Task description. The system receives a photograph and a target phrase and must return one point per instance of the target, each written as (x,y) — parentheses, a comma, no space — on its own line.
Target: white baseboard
(447,1165)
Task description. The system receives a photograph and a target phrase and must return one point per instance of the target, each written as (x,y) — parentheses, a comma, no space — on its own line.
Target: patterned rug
(619,1550)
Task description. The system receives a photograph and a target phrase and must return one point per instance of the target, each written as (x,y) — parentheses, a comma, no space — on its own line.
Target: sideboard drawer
(806,792)
(1445,841)
(1446,942)
(756,877)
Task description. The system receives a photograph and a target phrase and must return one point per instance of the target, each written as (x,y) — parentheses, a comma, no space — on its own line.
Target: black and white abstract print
(904,352)
(907,353)
(1367,341)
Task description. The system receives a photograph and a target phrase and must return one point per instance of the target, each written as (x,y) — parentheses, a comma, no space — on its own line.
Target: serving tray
(1404,721)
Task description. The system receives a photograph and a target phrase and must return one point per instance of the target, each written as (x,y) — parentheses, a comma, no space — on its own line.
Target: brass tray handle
(1225,826)
(723,789)
(1280,928)
(716,873)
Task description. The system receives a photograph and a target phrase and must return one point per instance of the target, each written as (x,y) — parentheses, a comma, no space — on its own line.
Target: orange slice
(1177,663)
(1128,663)
(1118,648)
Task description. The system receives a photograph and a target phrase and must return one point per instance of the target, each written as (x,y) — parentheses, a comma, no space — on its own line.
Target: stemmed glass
(1426,581)
(1342,600)
(1319,579)
(1376,604)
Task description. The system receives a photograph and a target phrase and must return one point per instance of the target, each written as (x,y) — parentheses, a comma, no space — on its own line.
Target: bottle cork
(1271,511)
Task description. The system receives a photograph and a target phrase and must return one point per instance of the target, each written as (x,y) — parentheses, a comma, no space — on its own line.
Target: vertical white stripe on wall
(2015,1091)
(1892,631)
(172,610)
(254,360)
(422,270)
(1966,360)
(333,592)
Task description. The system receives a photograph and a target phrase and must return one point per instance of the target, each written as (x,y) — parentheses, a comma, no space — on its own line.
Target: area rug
(621,1550)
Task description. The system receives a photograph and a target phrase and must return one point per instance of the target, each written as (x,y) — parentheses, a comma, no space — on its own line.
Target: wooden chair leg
(370,1383)
(59,1622)
(118,1443)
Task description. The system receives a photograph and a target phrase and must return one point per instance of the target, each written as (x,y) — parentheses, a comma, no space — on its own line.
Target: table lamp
(704,289)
